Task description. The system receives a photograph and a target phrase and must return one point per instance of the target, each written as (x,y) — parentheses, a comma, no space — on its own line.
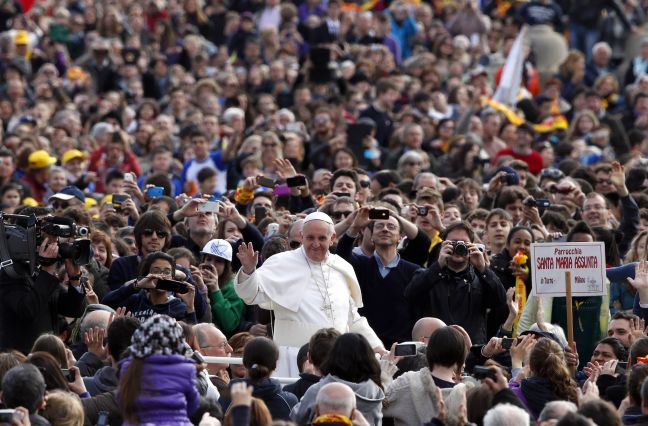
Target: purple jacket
(168,393)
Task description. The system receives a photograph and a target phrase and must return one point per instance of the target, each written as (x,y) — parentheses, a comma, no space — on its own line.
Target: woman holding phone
(216,273)
(144,297)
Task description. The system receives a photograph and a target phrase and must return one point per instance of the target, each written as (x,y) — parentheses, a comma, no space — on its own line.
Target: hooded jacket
(299,388)
(369,397)
(534,392)
(168,393)
(269,390)
(104,380)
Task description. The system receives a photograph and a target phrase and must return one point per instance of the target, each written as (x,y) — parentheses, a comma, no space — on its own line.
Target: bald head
(94,319)
(335,398)
(295,230)
(425,327)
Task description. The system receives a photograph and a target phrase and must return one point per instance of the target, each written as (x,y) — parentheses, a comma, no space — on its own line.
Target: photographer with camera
(459,287)
(30,304)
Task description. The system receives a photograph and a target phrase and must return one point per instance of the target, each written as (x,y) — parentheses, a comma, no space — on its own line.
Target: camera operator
(30,305)
(459,287)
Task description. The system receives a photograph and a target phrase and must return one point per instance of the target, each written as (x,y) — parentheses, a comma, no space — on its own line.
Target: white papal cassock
(305,296)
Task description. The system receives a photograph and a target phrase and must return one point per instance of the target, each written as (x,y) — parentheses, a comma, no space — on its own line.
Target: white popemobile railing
(239,361)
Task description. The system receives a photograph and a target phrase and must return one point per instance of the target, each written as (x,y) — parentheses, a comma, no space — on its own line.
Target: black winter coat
(28,310)
(456,298)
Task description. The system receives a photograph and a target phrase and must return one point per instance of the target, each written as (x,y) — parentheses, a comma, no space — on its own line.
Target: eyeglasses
(413,163)
(365,183)
(60,205)
(294,244)
(129,241)
(591,207)
(340,215)
(157,271)
(223,346)
(160,234)
(381,226)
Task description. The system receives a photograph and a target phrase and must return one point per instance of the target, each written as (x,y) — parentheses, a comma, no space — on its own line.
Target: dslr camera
(460,248)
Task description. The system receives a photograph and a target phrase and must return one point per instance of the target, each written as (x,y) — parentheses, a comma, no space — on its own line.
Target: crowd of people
(336,194)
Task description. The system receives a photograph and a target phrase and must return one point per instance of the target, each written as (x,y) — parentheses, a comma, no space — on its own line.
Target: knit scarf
(520,259)
(333,418)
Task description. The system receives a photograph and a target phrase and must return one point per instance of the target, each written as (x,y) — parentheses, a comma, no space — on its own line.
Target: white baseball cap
(218,248)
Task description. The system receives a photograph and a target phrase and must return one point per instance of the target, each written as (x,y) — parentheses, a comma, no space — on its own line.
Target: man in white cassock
(307,288)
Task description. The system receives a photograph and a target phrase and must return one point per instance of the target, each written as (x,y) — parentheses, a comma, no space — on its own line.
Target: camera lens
(460,248)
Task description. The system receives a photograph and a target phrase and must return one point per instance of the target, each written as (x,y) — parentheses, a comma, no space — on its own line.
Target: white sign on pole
(585,261)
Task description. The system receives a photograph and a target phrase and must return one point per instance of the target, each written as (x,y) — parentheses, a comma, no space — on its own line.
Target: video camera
(21,236)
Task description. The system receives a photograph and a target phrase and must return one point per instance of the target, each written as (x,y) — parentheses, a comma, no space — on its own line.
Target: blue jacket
(168,393)
(404,32)
(125,269)
(138,302)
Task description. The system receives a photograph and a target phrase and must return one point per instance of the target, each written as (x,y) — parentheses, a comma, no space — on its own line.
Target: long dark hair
(353,360)
(512,232)
(611,238)
(50,369)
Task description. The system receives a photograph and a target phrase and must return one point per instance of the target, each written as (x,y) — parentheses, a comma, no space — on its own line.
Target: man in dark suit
(328,31)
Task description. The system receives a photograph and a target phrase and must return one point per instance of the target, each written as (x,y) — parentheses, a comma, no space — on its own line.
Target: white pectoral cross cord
(323,289)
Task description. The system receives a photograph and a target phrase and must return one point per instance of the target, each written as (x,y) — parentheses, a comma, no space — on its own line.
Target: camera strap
(6,262)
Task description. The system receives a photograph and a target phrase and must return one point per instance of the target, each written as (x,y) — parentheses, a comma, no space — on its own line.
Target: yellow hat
(106,199)
(40,159)
(76,73)
(71,154)
(90,202)
(22,37)
(29,201)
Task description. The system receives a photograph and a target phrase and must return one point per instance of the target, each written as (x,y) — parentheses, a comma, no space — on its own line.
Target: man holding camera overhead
(459,287)
(30,305)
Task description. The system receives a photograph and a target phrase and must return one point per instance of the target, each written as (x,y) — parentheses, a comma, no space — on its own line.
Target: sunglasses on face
(365,183)
(340,215)
(60,205)
(160,234)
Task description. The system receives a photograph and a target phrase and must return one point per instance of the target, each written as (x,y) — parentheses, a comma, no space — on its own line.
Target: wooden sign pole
(570,313)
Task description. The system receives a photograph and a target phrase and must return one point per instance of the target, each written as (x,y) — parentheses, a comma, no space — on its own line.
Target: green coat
(227,308)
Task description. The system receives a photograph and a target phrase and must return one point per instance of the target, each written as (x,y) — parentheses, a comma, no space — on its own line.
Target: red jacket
(98,165)
(533,160)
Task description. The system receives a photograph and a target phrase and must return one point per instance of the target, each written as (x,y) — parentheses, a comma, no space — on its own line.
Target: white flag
(511,78)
